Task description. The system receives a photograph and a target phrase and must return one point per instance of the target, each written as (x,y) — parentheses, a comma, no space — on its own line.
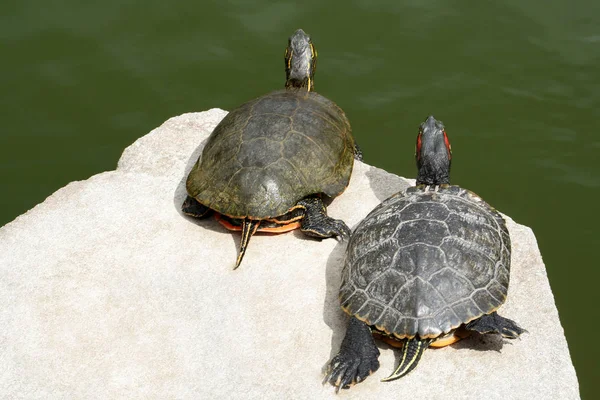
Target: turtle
(425,268)
(271,163)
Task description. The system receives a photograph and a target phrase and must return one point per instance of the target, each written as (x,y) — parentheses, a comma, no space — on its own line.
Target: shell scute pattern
(271,152)
(417,298)
(388,280)
(370,268)
(462,258)
(451,285)
(430,232)
(278,102)
(484,300)
(269,126)
(426,261)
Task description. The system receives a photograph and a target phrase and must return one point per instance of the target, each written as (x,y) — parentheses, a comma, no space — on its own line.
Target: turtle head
(300,62)
(433,153)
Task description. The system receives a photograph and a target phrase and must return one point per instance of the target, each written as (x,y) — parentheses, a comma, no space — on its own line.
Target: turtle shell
(426,261)
(271,152)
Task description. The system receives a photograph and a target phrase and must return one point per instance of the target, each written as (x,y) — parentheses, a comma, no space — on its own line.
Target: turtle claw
(327,228)
(317,223)
(494,323)
(335,228)
(349,368)
(357,358)
(510,329)
(342,229)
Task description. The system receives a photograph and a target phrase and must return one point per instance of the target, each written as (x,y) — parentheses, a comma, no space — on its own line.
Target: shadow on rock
(481,342)
(180,191)
(333,315)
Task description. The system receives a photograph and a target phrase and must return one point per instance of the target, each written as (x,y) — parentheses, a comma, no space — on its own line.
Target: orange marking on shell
(227,224)
(277,229)
(451,338)
(448,340)
(281,228)
(443,341)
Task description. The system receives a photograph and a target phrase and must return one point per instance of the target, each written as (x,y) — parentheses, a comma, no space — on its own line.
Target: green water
(517,85)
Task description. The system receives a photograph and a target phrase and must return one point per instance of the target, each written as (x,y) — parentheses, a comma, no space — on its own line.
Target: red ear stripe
(418,151)
(448,145)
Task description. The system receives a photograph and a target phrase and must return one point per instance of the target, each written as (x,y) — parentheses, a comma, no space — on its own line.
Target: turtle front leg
(317,223)
(494,323)
(357,358)
(358,154)
(192,208)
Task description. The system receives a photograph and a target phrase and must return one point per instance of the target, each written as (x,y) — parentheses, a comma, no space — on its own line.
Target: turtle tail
(411,354)
(249,227)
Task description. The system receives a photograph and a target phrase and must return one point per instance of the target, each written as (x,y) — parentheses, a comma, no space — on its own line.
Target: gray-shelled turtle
(269,163)
(426,267)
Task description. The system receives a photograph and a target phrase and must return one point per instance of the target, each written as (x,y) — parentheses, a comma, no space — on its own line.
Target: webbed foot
(317,223)
(349,367)
(494,323)
(357,359)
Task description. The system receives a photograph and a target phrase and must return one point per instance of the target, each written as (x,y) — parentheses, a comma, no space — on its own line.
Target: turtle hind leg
(193,208)
(317,223)
(412,350)
(357,358)
(249,227)
(494,323)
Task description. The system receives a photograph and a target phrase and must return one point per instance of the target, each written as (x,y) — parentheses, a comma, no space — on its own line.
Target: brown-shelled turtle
(426,267)
(270,163)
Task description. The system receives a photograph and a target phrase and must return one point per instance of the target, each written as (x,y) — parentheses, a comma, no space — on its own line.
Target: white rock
(108,291)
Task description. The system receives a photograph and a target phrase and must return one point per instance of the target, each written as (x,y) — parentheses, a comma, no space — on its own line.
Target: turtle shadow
(333,315)
(482,342)
(180,191)
(384,184)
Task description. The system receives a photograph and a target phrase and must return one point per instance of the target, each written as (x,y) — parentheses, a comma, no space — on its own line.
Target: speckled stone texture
(109,292)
